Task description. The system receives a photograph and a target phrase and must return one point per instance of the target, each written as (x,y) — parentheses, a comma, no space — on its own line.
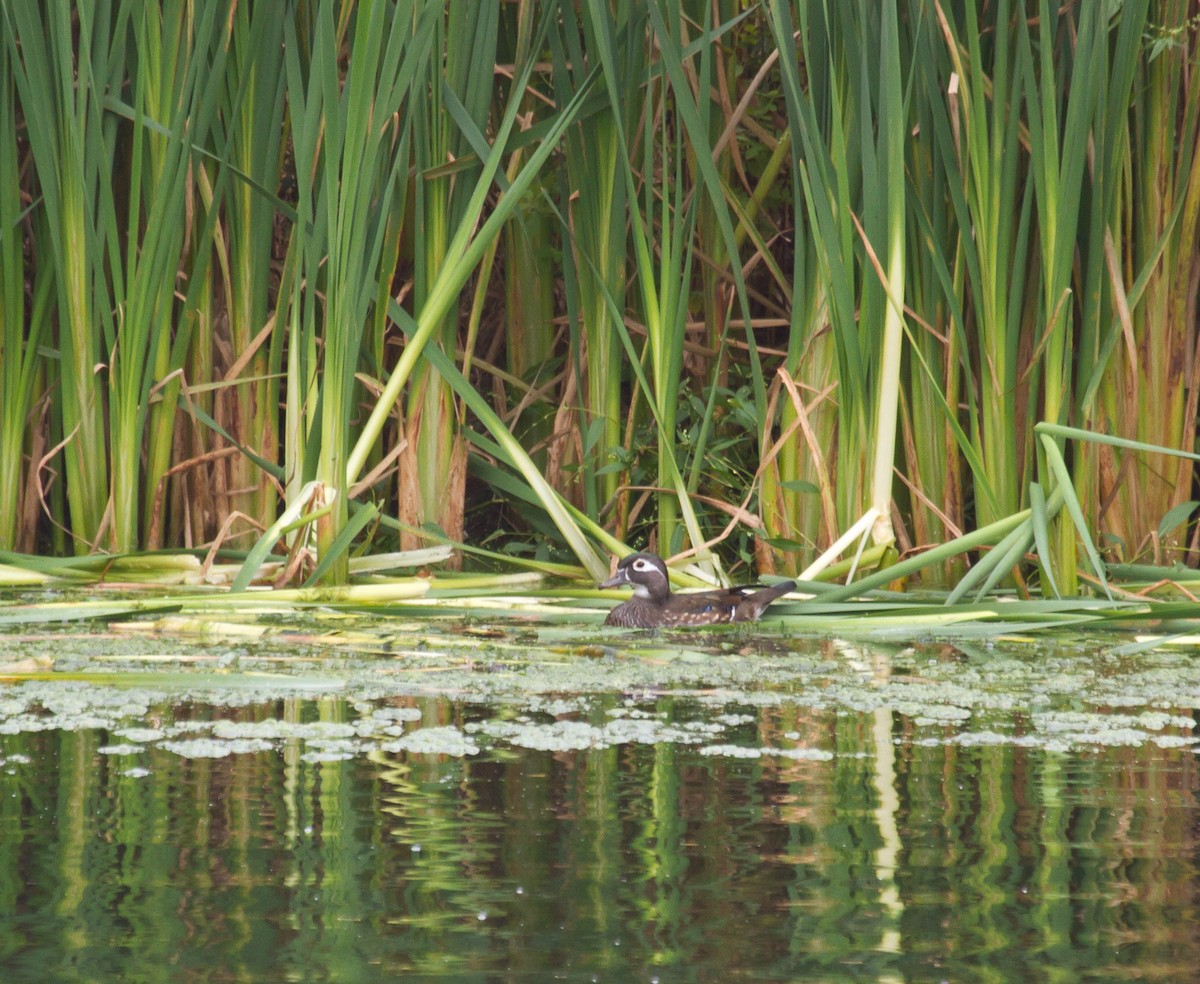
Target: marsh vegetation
(541,281)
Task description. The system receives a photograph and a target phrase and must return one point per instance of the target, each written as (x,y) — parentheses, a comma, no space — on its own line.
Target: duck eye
(642,565)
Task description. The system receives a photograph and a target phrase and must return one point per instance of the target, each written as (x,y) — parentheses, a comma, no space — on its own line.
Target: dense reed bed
(816,288)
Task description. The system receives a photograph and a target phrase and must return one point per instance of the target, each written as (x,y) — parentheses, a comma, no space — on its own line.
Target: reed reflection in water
(884,855)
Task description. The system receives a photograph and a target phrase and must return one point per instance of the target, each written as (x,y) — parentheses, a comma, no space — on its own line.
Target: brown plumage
(653,605)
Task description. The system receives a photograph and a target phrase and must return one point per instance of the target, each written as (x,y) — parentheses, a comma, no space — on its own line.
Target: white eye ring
(642,565)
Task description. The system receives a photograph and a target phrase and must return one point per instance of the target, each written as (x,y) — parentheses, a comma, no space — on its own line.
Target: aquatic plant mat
(972,675)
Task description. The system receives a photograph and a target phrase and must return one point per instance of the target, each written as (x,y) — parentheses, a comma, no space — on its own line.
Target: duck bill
(621,577)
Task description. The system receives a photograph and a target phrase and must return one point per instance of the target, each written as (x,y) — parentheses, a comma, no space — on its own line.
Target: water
(745,810)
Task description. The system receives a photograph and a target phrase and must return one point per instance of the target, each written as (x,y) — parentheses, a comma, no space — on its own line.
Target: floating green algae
(377,681)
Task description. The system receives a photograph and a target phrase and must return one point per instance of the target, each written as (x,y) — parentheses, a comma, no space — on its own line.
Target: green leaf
(800,485)
(1176,517)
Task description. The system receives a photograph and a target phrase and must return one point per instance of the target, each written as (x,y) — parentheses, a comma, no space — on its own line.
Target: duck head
(646,572)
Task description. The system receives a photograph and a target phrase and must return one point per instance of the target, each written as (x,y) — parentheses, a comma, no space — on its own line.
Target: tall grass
(595,254)
(248,141)
(357,140)
(729,281)
(18,348)
(1152,219)
(459,76)
(60,83)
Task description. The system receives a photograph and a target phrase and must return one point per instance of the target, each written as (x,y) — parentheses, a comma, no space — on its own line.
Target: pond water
(449,803)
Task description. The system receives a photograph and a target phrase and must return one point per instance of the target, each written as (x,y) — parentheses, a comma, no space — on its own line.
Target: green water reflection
(865,844)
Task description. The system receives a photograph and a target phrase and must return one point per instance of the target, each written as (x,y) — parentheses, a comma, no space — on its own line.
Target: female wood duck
(654,606)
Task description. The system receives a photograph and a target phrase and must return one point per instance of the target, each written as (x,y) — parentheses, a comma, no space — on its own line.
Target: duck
(654,606)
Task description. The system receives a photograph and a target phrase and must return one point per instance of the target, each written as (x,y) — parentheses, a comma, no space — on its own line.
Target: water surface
(527,804)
